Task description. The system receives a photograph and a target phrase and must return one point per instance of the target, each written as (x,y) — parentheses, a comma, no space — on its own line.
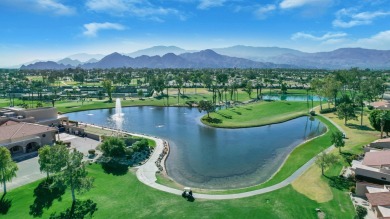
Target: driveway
(29,169)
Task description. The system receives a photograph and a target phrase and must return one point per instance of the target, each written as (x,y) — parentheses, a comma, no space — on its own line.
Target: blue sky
(53,29)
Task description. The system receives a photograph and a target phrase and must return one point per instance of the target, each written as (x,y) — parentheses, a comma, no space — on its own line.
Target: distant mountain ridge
(202,59)
(158,51)
(229,57)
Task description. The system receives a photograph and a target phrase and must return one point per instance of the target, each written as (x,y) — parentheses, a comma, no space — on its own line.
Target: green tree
(108,86)
(331,88)
(346,111)
(337,139)
(179,85)
(8,167)
(113,147)
(318,86)
(206,106)
(283,88)
(325,160)
(380,120)
(74,174)
(140,93)
(248,88)
(359,100)
(52,158)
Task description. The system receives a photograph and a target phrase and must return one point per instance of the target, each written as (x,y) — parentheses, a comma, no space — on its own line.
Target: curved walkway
(147,175)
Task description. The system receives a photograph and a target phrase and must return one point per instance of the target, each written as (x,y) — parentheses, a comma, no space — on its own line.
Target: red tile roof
(380,198)
(9,123)
(377,158)
(22,129)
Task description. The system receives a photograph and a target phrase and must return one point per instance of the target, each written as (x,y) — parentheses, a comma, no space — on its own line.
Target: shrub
(312,113)
(352,189)
(140,145)
(113,147)
(370,107)
(91,151)
(130,141)
(129,152)
(328,110)
(361,212)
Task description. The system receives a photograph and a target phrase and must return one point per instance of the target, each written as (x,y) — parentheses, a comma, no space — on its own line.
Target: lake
(211,158)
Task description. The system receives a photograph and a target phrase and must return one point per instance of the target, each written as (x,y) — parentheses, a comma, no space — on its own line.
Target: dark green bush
(140,145)
(328,110)
(361,212)
(113,147)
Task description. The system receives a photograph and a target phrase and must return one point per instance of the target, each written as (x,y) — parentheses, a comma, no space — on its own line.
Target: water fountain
(118,108)
(118,116)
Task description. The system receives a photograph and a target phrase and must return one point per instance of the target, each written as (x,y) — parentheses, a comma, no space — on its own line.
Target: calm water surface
(206,157)
(292,97)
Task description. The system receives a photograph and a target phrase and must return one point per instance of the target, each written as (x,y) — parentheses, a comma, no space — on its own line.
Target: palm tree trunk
(381,131)
(361,116)
(5,187)
(167,97)
(73,196)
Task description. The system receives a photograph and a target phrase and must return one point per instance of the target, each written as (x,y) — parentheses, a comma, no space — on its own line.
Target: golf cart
(187,193)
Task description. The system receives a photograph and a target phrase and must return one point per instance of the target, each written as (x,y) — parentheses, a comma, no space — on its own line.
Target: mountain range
(230,57)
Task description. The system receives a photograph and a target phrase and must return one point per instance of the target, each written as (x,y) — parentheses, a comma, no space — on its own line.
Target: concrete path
(147,175)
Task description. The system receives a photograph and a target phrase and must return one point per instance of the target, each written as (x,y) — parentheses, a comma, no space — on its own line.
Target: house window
(43,135)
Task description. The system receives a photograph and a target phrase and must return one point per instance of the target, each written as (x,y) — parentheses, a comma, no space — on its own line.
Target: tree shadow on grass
(44,197)
(213,120)
(78,210)
(115,168)
(358,127)
(340,183)
(5,205)
(349,157)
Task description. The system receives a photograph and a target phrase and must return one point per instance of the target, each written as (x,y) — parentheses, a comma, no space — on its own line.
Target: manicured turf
(257,114)
(124,196)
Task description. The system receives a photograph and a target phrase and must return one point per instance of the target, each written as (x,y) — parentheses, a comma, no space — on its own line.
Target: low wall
(93,136)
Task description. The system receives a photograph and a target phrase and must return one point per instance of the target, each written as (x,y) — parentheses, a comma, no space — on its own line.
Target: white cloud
(206,4)
(138,8)
(380,40)
(288,4)
(263,11)
(52,6)
(56,7)
(107,5)
(346,18)
(92,29)
(327,36)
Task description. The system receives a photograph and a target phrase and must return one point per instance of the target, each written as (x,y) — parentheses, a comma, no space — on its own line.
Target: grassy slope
(124,196)
(257,114)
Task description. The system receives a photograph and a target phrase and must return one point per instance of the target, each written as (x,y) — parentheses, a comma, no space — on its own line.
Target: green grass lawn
(257,114)
(123,196)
